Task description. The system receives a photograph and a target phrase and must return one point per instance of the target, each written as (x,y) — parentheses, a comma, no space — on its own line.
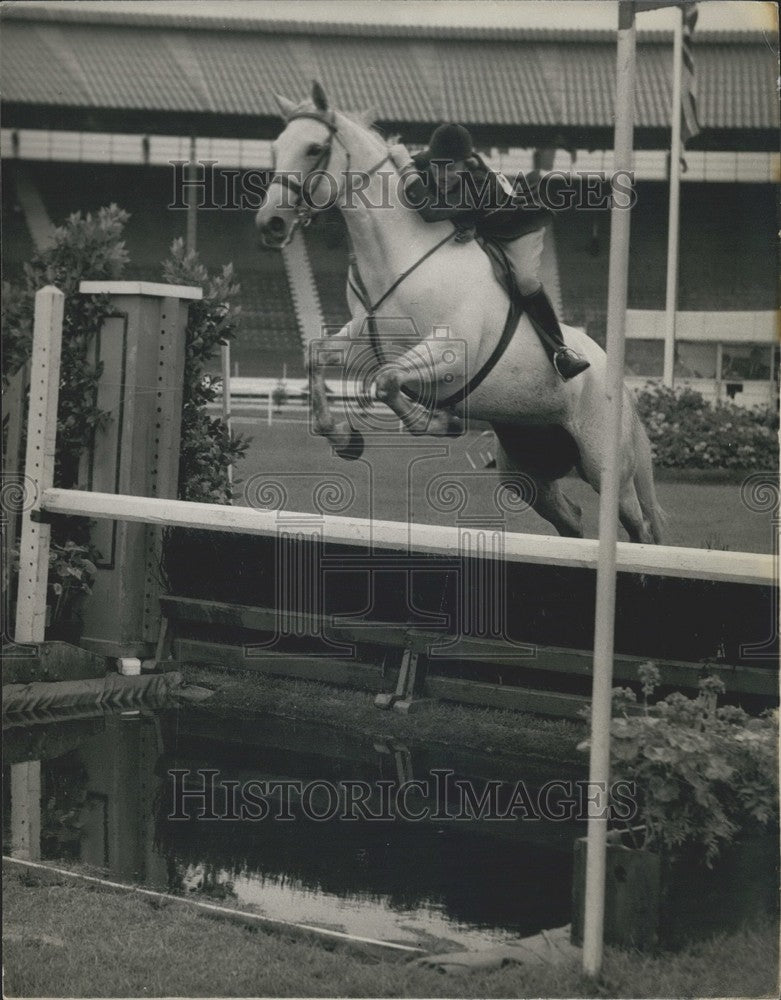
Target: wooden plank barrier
(186,611)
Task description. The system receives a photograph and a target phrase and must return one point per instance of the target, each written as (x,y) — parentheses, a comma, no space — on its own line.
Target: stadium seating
(326,244)
(727,252)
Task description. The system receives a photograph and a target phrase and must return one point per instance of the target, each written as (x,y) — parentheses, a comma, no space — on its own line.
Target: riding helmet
(450,142)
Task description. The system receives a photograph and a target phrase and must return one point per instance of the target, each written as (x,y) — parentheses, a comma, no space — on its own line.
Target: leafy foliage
(705,774)
(71,573)
(16,320)
(687,432)
(206,449)
(92,247)
(86,247)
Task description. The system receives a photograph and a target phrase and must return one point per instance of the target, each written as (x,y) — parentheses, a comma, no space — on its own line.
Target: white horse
(544,426)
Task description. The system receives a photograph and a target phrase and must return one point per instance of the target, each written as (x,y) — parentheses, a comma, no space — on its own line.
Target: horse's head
(311,157)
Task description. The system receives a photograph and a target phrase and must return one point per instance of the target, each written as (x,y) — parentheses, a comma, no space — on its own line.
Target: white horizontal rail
(155,289)
(738,166)
(549,550)
(725,326)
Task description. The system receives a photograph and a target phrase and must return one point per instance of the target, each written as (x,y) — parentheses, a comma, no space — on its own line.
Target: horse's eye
(314,150)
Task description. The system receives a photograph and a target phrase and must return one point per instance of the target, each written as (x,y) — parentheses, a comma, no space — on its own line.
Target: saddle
(504,275)
(501,266)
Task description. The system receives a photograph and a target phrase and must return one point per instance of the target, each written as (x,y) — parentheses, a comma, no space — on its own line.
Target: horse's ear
(318,96)
(367,117)
(285,106)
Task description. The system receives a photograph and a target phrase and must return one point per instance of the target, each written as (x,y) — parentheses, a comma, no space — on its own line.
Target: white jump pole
(39,463)
(601,699)
(673,223)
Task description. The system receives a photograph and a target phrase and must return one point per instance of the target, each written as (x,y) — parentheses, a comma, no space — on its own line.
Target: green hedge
(688,432)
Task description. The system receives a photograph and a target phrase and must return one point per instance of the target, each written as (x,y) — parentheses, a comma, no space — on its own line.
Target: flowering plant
(685,431)
(71,574)
(704,774)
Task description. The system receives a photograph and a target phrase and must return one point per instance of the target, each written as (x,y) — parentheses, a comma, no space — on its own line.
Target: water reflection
(99,791)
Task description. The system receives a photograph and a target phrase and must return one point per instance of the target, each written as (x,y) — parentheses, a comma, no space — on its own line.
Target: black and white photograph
(390,506)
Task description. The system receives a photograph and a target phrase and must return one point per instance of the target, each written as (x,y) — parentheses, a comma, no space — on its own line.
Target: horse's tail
(644,477)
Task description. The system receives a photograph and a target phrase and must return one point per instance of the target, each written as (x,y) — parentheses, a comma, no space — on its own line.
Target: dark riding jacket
(478,200)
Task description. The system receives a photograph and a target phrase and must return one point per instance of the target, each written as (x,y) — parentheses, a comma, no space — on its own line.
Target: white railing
(435,539)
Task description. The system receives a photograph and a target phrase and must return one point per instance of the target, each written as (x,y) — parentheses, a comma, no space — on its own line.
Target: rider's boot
(567,363)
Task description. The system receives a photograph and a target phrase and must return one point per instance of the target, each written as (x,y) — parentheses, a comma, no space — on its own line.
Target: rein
(304,215)
(305,212)
(359,288)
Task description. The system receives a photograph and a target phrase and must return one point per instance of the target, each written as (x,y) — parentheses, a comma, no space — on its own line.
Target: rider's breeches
(525,259)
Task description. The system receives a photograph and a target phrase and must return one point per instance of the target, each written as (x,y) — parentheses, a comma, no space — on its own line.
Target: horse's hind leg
(546,496)
(630,514)
(552,503)
(540,457)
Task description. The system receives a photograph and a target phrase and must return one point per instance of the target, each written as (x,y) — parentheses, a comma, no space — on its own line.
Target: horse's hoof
(354,447)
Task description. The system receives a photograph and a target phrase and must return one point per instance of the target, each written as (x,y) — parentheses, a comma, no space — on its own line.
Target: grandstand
(727,252)
(201,80)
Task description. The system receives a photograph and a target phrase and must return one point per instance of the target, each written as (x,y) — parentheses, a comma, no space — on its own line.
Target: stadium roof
(169,72)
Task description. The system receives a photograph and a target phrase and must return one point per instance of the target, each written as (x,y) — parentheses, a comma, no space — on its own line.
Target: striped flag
(689,124)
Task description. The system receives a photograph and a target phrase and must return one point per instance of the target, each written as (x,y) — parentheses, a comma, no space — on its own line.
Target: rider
(483,204)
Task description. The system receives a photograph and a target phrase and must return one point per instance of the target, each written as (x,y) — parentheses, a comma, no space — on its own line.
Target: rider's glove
(464,234)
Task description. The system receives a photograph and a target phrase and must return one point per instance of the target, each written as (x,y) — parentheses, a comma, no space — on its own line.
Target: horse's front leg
(347,442)
(428,370)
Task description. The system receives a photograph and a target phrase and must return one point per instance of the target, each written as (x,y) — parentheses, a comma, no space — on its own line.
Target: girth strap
(514,314)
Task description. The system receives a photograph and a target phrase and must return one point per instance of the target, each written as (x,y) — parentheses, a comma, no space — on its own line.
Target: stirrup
(568,364)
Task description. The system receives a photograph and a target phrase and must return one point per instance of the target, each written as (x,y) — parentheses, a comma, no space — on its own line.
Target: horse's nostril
(276,224)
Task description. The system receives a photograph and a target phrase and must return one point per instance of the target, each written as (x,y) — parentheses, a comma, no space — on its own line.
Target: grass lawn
(483,730)
(64,939)
(390,483)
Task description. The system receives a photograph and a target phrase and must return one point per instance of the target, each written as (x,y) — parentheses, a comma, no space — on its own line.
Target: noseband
(304,210)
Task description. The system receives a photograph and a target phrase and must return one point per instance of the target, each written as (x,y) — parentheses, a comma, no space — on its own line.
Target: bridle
(304,209)
(304,215)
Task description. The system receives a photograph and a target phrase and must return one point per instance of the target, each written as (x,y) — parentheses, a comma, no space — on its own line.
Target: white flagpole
(601,699)
(225,357)
(673,222)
